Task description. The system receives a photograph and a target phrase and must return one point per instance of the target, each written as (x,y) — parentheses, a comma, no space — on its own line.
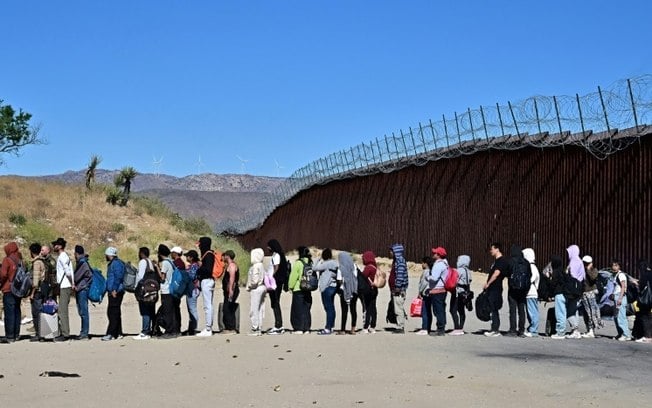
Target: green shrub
(35,231)
(17,219)
(196,226)
(117,227)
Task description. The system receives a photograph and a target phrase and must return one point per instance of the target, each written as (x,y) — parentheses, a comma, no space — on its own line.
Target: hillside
(40,211)
(213,197)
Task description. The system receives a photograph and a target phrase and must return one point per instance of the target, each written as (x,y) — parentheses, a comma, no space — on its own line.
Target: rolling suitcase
(48,326)
(220,317)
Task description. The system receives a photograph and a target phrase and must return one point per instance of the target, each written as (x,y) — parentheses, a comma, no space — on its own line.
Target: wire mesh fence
(595,121)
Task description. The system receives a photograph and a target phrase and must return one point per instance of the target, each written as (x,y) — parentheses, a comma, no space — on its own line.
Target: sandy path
(333,371)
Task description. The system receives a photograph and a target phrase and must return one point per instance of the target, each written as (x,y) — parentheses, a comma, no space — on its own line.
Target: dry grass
(38,211)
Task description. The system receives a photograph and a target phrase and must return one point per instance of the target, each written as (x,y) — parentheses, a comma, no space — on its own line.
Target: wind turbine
(278,168)
(200,164)
(157,165)
(242,163)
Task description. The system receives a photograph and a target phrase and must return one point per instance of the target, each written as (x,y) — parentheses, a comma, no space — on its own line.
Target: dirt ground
(329,371)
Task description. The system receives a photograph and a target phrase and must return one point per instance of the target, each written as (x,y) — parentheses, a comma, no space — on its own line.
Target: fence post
(518,133)
(484,125)
(395,145)
(554,99)
(448,143)
(405,149)
(423,139)
(432,130)
(604,110)
(389,153)
(414,146)
(500,118)
(364,150)
(380,151)
(471,123)
(579,108)
(536,112)
(457,126)
(631,98)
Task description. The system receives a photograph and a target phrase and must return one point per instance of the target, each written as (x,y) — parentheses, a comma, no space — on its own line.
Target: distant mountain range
(214,197)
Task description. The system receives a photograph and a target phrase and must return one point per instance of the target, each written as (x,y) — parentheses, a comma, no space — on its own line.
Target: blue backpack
(179,282)
(98,287)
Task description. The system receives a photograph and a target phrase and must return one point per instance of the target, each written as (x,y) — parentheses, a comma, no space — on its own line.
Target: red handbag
(415,307)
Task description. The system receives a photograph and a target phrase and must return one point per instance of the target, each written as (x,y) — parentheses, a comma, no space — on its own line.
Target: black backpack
(364,287)
(146,290)
(22,283)
(521,275)
(309,280)
(483,307)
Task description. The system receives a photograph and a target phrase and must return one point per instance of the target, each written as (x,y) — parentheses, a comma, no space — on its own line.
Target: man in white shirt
(65,280)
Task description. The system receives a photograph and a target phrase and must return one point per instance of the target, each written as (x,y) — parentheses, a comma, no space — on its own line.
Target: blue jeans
(328,299)
(622,326)
(148,315)
(193,315)
(560,314)
(533,315)
(82,308)
(439,309)
(12,316)
(426,313)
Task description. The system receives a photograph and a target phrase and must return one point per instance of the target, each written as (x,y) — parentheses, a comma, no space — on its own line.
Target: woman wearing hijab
(257,290)
(327,269)
(577,274)
(348,290)
(301,299)
(369,271)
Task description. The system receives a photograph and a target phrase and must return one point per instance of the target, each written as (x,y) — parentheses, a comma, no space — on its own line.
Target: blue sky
(289,81)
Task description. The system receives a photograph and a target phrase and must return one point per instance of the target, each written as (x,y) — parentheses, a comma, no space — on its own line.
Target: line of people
(569,287)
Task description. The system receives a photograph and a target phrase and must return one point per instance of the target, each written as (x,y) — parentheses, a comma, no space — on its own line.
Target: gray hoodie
(465,274)
(349,278)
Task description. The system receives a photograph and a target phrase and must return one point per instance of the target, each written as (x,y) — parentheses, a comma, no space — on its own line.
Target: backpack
(147,288)
(309,280)
(218,264)
(22,283)
(129,280)
(98,287)
(179,281)
(450,284)
(546,289)
(520,278)
(483,307)
(380,279)
(364,287)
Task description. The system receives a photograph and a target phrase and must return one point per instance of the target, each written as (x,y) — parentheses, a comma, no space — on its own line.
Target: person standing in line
(83,277)
(192,291)
(424,293)
(65,281)
(436,279)
(369,271)
(257,290)
(281,273)
(348,290)
(206,283)
(398,285)
(620,302)
(643,321)
(517,297)
(37,297)
(327,269)
(577,275)
(300,317)
(166,315)
(559,287)
(11,303)
(176,254)
(147,309)
(532,297)
(231,292)
(592,318)
(459,295)
(494,286)
(115,272)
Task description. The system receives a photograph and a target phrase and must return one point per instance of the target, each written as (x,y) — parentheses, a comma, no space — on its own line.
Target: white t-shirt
(618,279)
(168,270)
(142,268)
(64,266)
(276,259)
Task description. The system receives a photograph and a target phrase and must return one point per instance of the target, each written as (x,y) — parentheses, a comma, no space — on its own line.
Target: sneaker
(364,331)
(297,332)
(492,334)
(82,338)
(574,335)
(558,336)
(108,337)
(325,332)
(205,333)
(35,339)
(511,334)
(588,335)
(527,334)
(26,320)
(422,332)
(141,336)
(255,333)
(458,332)
(59,339)
(438,333)
(624,338)
(643,340)
(372,331)
(228,332)
(399,331)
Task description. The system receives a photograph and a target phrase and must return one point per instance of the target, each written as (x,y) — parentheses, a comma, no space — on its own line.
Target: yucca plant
(91,169)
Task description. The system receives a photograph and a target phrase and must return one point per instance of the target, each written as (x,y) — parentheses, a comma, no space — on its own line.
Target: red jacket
(9,267)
